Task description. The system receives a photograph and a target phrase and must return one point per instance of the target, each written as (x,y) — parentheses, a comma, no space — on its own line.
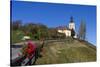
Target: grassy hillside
(67,52)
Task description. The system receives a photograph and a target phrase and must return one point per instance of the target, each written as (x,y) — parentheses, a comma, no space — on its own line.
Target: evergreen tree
(72,33)
(82,31)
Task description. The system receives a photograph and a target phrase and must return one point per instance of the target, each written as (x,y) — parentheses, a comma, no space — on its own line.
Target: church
(67,30)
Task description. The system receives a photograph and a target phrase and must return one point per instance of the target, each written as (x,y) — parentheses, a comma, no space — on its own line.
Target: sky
(54,14)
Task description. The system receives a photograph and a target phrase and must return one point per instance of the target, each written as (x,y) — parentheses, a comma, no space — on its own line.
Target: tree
(35,30)
(16,25)
(72,33)
(82,31)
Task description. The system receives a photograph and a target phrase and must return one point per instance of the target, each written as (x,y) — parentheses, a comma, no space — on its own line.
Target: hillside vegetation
(67,52)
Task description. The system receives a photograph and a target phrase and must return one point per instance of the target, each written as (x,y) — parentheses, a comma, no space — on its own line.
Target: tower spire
(71,19)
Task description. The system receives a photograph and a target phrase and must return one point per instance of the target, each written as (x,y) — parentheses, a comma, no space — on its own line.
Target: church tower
(71,23)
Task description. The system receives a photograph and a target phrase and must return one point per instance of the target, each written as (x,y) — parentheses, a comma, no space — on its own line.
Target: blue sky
(53,15)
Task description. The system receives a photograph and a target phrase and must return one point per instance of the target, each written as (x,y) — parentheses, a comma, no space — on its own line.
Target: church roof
(62,28)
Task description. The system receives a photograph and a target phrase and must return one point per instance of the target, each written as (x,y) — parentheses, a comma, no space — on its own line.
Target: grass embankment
(65,52)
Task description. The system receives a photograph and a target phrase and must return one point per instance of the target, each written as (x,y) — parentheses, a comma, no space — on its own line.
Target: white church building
(67,30)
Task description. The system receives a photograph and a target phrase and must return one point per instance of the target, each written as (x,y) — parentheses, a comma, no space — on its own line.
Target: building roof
(62,28)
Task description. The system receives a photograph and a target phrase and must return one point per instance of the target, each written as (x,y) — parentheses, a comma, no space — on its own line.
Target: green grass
(63,52)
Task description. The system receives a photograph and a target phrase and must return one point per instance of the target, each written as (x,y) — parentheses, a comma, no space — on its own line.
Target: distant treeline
(39,31)
(35,30)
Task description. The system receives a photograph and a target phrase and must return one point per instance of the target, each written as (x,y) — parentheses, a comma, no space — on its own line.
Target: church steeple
(71,23)
(71,19)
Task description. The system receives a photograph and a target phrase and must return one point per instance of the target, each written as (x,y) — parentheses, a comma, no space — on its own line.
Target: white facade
(66,32)
(72,25)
